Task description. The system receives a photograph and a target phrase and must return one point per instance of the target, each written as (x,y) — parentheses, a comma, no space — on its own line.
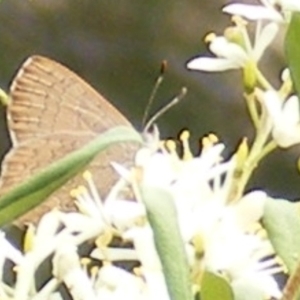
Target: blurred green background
(117,46)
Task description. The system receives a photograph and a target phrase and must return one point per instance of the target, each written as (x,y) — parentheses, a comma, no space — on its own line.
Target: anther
(209,37)
(170,145)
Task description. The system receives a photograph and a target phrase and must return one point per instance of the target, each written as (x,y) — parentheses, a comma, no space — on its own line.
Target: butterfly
(52,112)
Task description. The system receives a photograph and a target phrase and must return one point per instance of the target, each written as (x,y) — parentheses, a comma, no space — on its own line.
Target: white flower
(284,117)
(256,286)
(168,171)
(142,238)
(143,241)
(43,243)
(95,216)
(67,269)
(274,10)
(200,189)
(150,162)
(229,248)
(114,283)
(223,227)
(8,251)
(193,182)
(230,55)
(201,198)
(253,12)
(114,254)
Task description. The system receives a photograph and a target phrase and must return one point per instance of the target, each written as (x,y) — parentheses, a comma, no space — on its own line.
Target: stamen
(242,154)
(213,138)
(186,151)
(255,228)
(198,243)
(29,238)
(140,221)
(106,263)
(74,193)
(104,239)
(209,37)
(241,36)
(137,271)
(94,273)
(264,251)
(81,196)
(119,186)
(287,84)
(281,263)
(82,192)
(137,174)
(271,266)
(206,143)
(85,262)
(277,270)
(170,145)
(234,35)
(239,21)
(91,184)
(93,190)
(262,234)
(77,194)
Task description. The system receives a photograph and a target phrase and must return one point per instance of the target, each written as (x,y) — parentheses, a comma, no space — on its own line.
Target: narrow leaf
(282,221)
(292,49)
(162,216)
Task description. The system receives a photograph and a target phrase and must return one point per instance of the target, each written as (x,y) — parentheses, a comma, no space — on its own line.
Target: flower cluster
(217,235)
(234,50)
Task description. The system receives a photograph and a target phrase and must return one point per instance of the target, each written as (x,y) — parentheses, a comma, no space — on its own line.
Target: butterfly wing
(47,97)
(52,113)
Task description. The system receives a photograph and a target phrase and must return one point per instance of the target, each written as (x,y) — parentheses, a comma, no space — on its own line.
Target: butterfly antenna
(157,84)
(165,108)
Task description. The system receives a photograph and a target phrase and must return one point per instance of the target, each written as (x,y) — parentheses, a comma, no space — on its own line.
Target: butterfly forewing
(53,112)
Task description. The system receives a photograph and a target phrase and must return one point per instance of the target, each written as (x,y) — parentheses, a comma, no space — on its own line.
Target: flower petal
(221,47)
(123,214)
(253,12)
(66,267)
(273,104)
(291,110)
(115,283)
(250,209)
(291,5)
(143,241)
(265,38)
(285,118)
(286,136)
(209,64)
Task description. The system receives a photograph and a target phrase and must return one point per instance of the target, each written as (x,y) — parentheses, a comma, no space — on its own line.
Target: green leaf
(282,221)
(36,189)
(162,216)
(292,49)
(215,287)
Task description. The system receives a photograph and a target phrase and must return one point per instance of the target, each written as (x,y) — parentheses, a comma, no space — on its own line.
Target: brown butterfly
(53,112)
